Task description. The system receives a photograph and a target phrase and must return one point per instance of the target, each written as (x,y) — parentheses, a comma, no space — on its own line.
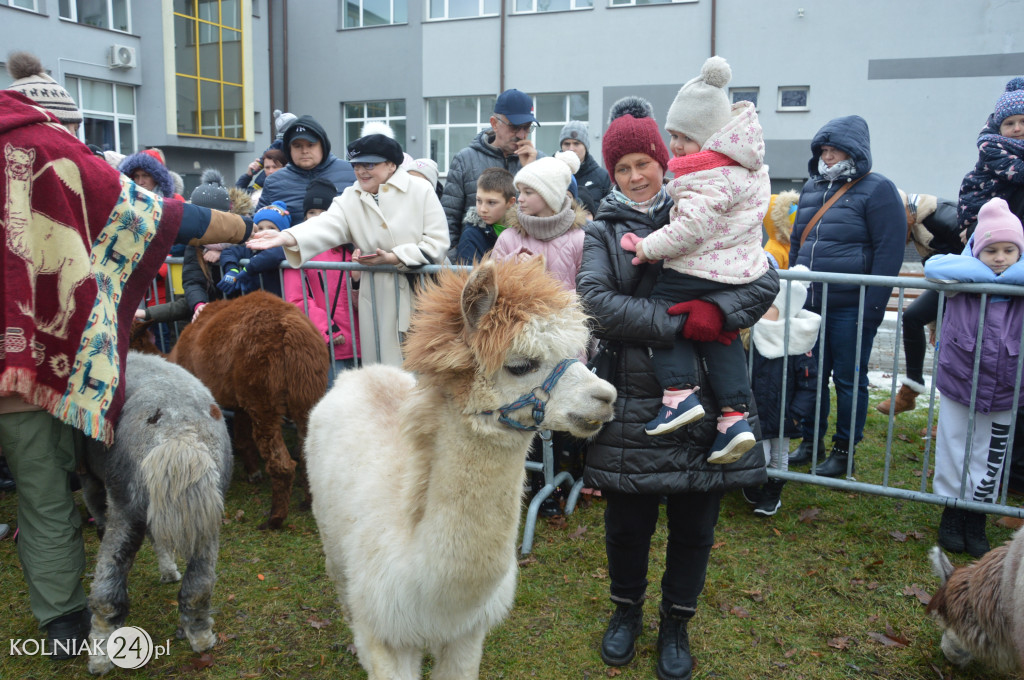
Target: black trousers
(630,521)
(676,366)
(916,316)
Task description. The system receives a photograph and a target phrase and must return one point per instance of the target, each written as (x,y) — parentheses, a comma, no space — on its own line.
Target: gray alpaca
(166,475)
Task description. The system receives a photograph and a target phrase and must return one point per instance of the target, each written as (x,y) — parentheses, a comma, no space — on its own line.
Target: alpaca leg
(108,598)
(954,650)
(459,659)
(165,560)
(280,467)
(196,624)
(383,662)
(300,426)
(245,447)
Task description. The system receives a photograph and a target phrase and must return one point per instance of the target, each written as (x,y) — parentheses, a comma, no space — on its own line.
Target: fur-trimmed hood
(778,220)
(146,162)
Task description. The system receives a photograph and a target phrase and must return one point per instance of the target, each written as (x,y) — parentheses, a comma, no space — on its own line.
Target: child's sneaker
(671,419)
(730,445)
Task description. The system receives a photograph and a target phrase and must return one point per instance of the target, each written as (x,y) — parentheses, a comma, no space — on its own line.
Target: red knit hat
(632,130)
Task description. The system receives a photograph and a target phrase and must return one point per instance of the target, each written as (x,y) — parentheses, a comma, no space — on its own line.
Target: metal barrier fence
(882,487)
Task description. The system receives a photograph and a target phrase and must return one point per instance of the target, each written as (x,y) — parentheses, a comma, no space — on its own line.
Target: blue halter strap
(537,397)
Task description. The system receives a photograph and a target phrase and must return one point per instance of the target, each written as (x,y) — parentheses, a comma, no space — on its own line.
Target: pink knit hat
(996,224)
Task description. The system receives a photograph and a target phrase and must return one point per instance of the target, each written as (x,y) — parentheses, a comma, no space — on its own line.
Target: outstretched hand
(265,240)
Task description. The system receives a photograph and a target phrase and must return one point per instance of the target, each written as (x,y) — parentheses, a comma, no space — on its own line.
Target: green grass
(823,590)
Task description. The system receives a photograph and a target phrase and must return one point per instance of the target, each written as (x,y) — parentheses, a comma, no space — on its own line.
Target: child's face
(681,145)
(1013,126)
(313,212)
(532,204)
(998,256)
(491,206)
(264,225)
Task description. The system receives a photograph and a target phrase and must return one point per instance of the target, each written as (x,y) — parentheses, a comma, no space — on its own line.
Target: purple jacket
(1000,341)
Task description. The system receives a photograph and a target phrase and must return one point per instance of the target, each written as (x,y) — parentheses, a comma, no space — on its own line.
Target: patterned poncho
(81,245)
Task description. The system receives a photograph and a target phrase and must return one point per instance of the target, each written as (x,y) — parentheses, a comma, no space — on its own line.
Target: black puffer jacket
(622,457)
(594,178)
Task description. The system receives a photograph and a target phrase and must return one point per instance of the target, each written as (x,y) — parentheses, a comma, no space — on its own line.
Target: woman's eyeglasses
(368,166)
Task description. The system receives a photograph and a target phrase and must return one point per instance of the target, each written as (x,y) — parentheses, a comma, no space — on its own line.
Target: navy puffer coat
(622,457)
(864,232)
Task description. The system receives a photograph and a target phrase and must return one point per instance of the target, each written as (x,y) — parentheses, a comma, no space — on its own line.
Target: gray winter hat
(575,129)
(211,192)
(701,108)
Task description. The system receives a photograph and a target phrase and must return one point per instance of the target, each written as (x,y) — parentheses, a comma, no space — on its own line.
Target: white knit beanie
(550,177)
(426,167)
(701,108)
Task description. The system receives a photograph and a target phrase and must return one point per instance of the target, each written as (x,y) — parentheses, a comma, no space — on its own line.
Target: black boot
(835,464)
(952,528)
(6,478)
(803,454)
(619,643)
(975,540)
(66,635)
(674,661)
(771,498)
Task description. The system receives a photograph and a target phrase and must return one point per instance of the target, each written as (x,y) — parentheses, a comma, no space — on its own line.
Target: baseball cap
(517,106)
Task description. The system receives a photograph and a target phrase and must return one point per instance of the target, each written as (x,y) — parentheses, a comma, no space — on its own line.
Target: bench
(909,293)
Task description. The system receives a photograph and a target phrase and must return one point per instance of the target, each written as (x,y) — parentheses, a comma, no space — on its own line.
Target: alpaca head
(489,336)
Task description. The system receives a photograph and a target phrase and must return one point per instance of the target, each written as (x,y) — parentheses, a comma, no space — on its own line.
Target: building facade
(924,74)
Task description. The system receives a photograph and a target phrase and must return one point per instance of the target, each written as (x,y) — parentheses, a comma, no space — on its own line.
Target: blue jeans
(840,362)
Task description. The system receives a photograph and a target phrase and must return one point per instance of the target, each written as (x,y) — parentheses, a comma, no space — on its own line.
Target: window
(793,98)
(527,6)
(453,123)
(460,9)
(30,5)
(108,112)
(112,14)
(634,3)
(363,13)
(358,114)
(208,68)
(553,111)
(744,94)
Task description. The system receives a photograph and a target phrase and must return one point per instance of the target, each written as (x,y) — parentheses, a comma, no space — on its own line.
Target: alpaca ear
(479,294)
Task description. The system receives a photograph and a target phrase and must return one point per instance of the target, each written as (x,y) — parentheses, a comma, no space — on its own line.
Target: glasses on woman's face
(366,166)
(525,127)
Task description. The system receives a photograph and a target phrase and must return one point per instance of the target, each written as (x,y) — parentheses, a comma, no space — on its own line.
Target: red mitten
(703,320)
(726,337)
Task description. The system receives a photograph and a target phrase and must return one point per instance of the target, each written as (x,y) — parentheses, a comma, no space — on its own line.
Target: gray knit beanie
(211,192)
(575,129)
(701,108)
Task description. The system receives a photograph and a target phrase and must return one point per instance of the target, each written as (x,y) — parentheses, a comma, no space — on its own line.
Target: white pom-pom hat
(550,177)
(701,107)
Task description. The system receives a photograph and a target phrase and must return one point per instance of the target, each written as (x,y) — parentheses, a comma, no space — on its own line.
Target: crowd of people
(673,251)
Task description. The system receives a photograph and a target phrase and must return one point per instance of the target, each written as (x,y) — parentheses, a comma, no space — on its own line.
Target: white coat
(409,222)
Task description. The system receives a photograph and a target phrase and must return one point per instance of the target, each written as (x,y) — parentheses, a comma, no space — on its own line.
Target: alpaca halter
(539,401)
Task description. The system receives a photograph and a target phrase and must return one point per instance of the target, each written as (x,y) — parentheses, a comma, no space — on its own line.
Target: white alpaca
(417,479)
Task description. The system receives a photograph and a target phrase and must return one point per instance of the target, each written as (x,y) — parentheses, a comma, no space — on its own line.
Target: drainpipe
(270,57)
(284,46)
(714,17)
(501,48)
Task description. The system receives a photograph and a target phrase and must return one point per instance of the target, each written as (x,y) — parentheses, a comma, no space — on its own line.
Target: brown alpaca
(980,607)
(263,359)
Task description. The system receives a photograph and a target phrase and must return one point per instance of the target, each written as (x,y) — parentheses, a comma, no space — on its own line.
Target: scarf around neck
(842,168)
(548,228)
(648,207)
(702,160)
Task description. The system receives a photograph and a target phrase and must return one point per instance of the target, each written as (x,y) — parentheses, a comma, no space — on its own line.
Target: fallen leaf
(856,581)
(873,585)
(915,590)
(839,643)
(318,623)
(886,640)
(903,437)
(776,531)
(755,595)
(916,535)
(579,532)
(789,654)
(808,515)
(1010,522)
(204,661)
(224,637)
(239,515)
(718,545)
(898,536)
(599,573)
(528,560)
(260,577)
(872,618)
(231,597)
(890,633)
(613,672)
(565,579)
(740,612)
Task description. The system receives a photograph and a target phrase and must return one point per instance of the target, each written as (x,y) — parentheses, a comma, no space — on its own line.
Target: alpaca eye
(523,367)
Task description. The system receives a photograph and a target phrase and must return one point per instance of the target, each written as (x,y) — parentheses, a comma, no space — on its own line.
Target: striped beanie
(31,80)
(1011,103)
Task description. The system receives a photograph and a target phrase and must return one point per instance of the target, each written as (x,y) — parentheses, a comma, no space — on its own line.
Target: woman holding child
(633,467)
